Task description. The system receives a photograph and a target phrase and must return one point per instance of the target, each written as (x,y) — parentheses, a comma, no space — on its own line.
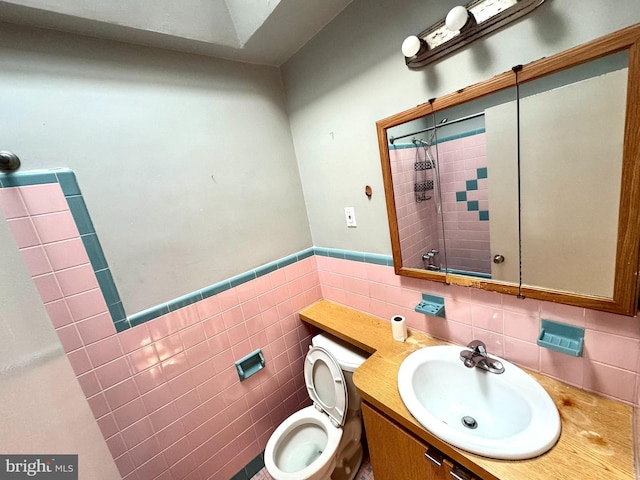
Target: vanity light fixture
(462,25)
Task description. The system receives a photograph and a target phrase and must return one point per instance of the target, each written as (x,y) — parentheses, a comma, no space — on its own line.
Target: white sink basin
(515,417)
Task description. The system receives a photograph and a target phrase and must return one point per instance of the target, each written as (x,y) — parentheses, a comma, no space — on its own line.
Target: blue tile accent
(80,214)
(468,273)
(473,205)
(484,215)
(108,286)
(149,314)
(253,467)
(323,252)
(461,196)
(472,185)
(244,278)
(457,136)
(68,183)
(265,269)
(305,254)
(335,253)
(117,312)
(185,300)
(355,256)
(94,250)
(286,261)
(377,259)
(482,172)
(23,179)
(122,325)
(215,289)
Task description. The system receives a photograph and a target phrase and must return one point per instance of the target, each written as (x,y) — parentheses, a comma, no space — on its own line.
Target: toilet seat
(326,384)
(305,445)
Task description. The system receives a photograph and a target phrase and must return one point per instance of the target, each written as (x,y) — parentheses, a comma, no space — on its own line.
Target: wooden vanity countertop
(595,444)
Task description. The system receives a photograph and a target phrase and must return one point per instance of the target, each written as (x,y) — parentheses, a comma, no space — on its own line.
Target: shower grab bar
(448,122)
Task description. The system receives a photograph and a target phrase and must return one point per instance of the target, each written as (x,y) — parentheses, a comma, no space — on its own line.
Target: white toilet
(323,441)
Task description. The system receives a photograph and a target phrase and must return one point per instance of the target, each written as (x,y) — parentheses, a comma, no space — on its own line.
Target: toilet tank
(349,358)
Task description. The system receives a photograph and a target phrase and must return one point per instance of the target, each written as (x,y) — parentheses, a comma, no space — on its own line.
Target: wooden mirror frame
(626,281)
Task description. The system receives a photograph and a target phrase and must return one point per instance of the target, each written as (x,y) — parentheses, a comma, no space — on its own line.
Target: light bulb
(411,46)
(456,18)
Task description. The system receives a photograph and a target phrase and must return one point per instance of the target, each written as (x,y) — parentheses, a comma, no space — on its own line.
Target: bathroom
(196,171)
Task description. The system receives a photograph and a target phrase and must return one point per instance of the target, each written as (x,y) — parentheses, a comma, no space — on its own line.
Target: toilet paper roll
(399,328)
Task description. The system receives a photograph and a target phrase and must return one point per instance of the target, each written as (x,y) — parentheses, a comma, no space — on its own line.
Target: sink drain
(469,422)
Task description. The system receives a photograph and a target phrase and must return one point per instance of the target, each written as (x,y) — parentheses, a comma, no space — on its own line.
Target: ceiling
(254,31)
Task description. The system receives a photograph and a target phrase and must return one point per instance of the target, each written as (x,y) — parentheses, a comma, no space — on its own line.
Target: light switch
(350,214)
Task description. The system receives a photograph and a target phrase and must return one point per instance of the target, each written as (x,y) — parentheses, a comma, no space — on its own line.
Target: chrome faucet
(477,357)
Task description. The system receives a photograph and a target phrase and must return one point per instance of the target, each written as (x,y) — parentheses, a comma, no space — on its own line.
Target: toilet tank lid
(348,356)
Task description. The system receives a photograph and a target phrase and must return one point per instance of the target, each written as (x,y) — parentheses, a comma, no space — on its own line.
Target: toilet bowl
(305,447)
(322,441)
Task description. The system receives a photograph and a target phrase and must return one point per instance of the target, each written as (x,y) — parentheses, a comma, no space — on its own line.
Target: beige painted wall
(185,162)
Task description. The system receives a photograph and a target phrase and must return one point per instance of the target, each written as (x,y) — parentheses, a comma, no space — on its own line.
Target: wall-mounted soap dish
(250,364)
(561,337)
(431,305)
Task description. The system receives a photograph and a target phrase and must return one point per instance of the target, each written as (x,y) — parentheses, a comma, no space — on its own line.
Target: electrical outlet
(350,214)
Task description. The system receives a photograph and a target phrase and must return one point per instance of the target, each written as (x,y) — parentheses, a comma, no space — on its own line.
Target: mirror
(527,183)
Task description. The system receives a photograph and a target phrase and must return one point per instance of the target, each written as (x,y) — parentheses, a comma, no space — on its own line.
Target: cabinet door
(395,454)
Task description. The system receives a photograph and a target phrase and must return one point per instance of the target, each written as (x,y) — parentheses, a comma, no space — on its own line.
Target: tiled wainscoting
(166,394)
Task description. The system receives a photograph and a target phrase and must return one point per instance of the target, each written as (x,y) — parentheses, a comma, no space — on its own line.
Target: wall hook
(9,162)
(368,192)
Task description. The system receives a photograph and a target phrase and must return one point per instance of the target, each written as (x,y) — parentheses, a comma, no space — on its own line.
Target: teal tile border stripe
(71,190)
(249,470)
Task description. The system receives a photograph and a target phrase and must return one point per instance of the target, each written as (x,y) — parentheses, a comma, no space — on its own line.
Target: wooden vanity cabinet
(398,455)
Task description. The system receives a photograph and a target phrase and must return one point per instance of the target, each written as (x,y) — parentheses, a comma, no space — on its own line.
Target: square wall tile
(562,367)
(36,260)
(54,227)
(48,288)
(42,199)
(96,328)
(11,203)
(104,351)
(86,304)
(613,382)
(66,254)
(24,232)
(76,280)
(613,350)
(59,313)
(121,394)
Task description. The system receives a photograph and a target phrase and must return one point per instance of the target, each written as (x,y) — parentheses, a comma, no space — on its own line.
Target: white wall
(353,74)
(186,163)
(43,409)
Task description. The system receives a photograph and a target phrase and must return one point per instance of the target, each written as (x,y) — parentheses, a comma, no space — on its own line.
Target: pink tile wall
(509,326)
(467,238)
(166,394)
